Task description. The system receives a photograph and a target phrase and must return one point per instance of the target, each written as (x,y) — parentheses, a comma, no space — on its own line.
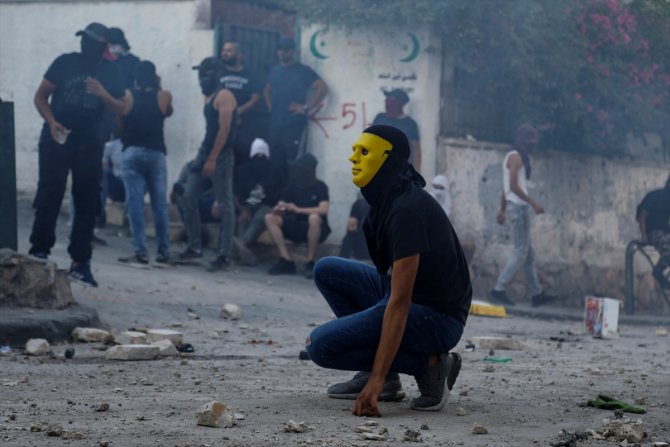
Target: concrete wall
(358,67)
(580,242)
(35,33)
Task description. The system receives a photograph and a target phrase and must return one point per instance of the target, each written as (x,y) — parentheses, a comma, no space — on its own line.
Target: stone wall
(580,242)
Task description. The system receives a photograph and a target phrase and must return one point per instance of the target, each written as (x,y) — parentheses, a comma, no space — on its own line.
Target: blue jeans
(357,295)
(523,254)
(146,170)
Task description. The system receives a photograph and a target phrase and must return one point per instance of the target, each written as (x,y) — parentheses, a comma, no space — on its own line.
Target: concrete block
(131,338)
(496,343)
(231,312)
(166,348)
(175,337)
(37,346)
(215,414)
(133,352)
(91,335)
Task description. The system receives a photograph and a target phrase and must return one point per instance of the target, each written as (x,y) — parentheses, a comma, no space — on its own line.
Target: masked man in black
(404,322)
(81,86)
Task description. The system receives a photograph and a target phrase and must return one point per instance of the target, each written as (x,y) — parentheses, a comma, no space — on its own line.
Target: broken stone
(165,334)
(102,407)
(623,429)
(54,430)
(215,414)
(167,349)
(496,343)
(231,312)
(26,281)
(489,368)
(479,429)
(75,435)
(375,437)
(296,427)
(91,335)
(412,436)
(36,426)
(37,346)
(662,332)
(131,338)
(460,411)
(133,352)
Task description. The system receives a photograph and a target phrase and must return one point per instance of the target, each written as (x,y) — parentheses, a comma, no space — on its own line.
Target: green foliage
(586,72)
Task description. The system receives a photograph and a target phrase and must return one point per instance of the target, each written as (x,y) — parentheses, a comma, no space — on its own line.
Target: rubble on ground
(623,429)
(133,352)
(215,414)
(91,335)
(37,346)
(231,312)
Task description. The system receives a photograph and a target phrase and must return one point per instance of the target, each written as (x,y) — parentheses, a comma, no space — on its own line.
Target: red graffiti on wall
(351,113)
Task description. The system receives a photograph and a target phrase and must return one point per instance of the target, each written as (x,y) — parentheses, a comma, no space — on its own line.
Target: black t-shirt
(127,64)
(657,204)
(288,85)
(306,196)
(241,83)
(417,224)
(406,124)
(72,106)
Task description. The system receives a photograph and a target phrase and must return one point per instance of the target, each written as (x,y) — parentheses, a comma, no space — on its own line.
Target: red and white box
(601,317)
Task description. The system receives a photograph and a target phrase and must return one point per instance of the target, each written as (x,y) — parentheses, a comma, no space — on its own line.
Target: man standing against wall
(394,115)
(215,159)
(80,86)
(246,88)
(292,93)
(516,202)
(653,216)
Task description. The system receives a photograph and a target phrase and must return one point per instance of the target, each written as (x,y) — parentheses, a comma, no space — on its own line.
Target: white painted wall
(356,70)
(34,34)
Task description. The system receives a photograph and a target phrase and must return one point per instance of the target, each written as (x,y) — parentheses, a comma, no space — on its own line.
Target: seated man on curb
(301,215)
(401,323)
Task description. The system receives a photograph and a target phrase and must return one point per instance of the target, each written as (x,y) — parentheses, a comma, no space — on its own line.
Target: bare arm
(500,218)
(41,101)
(416,154)
(319,91)
(514,163)
(393,328)
(165,102)
(268,98)
(352,225)
(94,87)
(642,222)
(225,104)
(321,209)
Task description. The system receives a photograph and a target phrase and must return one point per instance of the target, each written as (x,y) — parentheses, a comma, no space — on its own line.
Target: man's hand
(279,208)
(209,168)
(291,207)
(244,216)
(216,210)
(57,130)
(366,402)
(297,109)
(500,218)
(94,87)
(538,208)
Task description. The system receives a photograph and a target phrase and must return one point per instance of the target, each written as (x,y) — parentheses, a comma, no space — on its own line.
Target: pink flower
(578,96)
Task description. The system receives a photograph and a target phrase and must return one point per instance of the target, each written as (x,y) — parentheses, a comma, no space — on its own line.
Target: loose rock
(166,348)
(37,346)
(460,411)
(54,430)
(215,414)
(131,338)
(412,436)
(175,337)
(624,429)
(296,427)
(489,369)
(133,352)
(231,312)
(479,429)
(102,407)
(91,335)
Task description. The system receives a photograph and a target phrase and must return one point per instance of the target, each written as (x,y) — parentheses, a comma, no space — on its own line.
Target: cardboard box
(601,317)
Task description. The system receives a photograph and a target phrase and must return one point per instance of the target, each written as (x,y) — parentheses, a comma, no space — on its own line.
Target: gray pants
(249,232)
(519,218)
(223,193)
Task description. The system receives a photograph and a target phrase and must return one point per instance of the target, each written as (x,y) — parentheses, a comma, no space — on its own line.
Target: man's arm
(393,328)
(514,163)
(642,222)
(165,102)
(319,92)
(321,209)
(94,87)
(225,104)
(41,101)
(503,207)
(416,154)
(267,91)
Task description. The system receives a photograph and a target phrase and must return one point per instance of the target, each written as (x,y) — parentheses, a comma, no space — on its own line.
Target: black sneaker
(309,270)
(220,263)
(163,260)
(190,255)
(542,299)
(139,260)
(82,273)
(283,267)
(500,297)
(392,391)
(436,383)
(40,255)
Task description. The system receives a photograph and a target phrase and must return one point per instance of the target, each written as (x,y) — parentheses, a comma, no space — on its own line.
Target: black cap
(96,31)
(398,94)
(115,36)
(286,44)
(209,64)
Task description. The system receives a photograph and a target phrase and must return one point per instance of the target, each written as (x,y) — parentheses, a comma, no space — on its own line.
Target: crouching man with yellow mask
(404,322)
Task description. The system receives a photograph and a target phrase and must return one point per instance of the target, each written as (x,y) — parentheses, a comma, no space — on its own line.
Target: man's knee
(271,220)
(314,220)
(324,267)
(315,347)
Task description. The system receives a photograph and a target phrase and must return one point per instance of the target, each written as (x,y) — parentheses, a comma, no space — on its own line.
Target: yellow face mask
(370,153)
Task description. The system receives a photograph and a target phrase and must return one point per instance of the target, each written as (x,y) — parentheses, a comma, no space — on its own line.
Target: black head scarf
(524,144)
(395,176)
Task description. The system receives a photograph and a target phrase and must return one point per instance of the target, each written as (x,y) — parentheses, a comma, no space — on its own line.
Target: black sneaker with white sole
(436,383)
(140,260)
(349,390)
(82,274)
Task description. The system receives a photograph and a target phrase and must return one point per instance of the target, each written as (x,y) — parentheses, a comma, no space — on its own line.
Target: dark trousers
(83,157)
(285,144)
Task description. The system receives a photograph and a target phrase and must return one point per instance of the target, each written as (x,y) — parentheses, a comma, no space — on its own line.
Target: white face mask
(117,49)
